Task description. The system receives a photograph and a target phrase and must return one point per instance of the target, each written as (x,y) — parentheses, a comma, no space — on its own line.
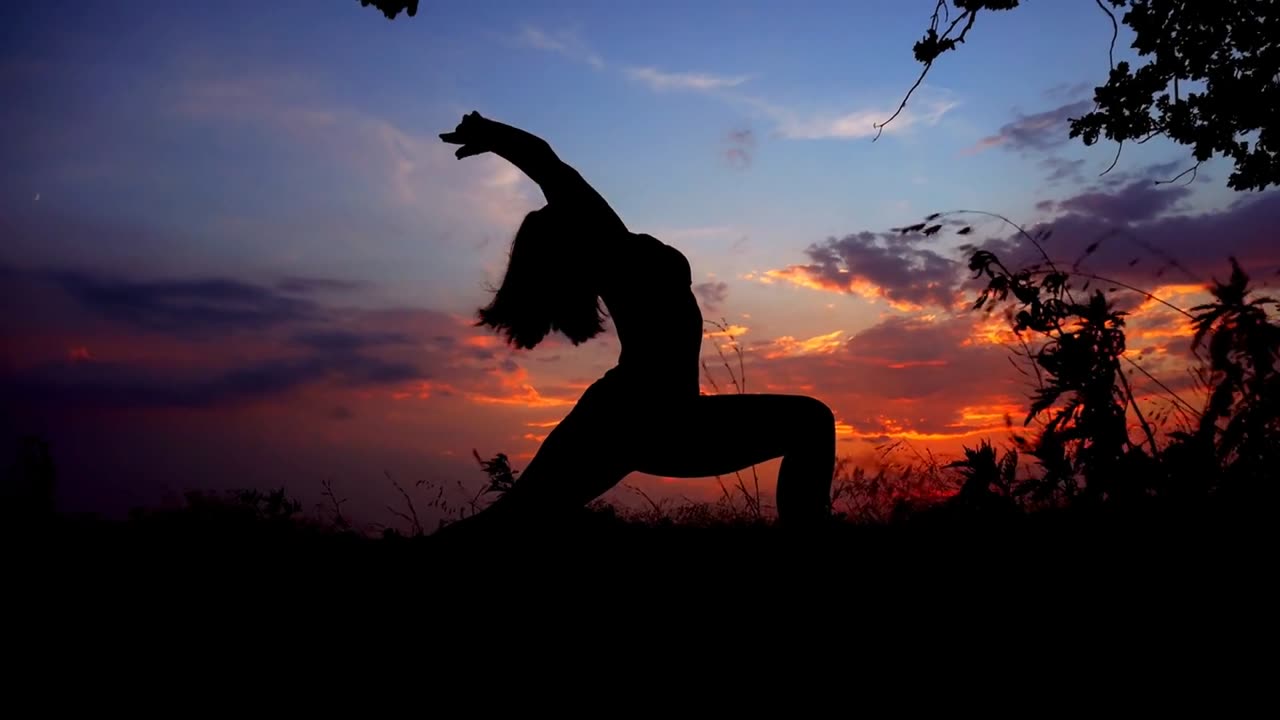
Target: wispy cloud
(790,124)
(413,171)
(688,234)
(564,42)
(659,80)
(1040,131)
(856,124)
(712,294)
(788,346)
(1061,169)
(741,148)
(1069,91)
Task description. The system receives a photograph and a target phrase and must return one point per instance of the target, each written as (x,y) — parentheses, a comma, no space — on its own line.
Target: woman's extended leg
(579,460)
(720,434)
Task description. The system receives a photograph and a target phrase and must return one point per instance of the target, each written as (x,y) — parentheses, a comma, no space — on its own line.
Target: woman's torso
(650,297)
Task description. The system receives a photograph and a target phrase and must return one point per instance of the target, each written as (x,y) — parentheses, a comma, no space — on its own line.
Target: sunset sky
(235,253)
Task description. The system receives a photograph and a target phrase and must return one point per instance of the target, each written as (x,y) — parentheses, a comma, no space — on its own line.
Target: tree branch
(1116,159)
(971,14)
(880,126)
(1115,32)
(1193,170)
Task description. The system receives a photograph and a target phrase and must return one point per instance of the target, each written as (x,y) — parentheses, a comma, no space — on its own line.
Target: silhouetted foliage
(244,515)
(1222,51)
(392,8)
(502,478)
(738,380)
(1087,407)
(1080,360)
(28,491)
(987,480)
(891,491)
(1242,419)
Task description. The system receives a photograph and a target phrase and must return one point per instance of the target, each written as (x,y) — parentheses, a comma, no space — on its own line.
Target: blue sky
(174,100)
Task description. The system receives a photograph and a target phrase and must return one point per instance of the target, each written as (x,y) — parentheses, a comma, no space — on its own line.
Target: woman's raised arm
(561,184)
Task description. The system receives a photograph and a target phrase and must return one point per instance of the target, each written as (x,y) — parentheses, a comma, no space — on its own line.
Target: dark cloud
(1138,243)
(1061,169)
(1140,231)
(304,285)
(348,341)
(1157,173)
(82,340)
(188,306)
(713,294)
(740,148)
(1164,171)
(1138,201)
(907,341)
(1041,131)
(890,261)
(341,412)
(101,385)
(1069,91)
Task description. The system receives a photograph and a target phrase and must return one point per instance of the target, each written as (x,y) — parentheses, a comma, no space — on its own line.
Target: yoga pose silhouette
(646,414)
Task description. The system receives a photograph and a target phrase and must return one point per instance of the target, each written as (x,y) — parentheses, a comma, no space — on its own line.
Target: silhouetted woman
(646,414)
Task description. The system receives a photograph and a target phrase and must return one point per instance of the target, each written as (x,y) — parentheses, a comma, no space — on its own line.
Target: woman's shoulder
(650,251)
(635,247)
(645,241)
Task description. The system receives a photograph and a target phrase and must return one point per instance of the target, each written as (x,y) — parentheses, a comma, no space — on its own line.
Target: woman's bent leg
(721,434)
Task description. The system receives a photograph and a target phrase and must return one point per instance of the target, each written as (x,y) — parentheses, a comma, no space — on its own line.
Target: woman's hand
(471,134)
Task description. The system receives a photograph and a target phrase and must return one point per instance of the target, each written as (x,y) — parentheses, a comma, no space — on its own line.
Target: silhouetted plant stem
(1133,402)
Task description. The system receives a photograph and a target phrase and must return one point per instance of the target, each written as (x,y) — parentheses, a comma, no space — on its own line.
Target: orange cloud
(796,275)
(988,413)
(896,431)
(844,431)
(482,341)
(518,392)
(849,284)
(917,363)
(1153,320)
(729,331)
(422,390)
(787,346)
(992,330)
(1180,294)
(425,389)
(1176,328)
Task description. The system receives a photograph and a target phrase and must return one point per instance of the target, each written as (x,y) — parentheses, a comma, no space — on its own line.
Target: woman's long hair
(547,286)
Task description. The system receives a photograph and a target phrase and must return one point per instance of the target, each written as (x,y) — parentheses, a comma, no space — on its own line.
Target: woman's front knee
(814,415)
